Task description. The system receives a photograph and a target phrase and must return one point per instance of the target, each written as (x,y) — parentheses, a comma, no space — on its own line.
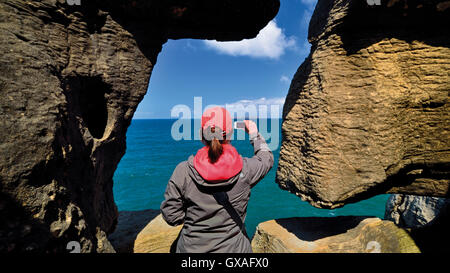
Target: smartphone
(239,125)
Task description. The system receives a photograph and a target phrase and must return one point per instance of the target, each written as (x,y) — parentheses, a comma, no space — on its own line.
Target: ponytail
(215,150)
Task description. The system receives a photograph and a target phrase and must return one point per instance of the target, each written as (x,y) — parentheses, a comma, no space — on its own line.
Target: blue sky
(255,71)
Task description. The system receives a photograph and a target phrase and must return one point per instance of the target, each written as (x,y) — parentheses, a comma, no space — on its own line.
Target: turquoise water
(152,155)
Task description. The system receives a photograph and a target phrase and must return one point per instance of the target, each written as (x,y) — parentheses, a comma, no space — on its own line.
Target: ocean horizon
(152,154)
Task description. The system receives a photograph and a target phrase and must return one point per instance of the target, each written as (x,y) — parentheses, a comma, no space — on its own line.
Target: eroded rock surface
(427,218)
(71,78)
(343,234)
(410,211)
(367,112)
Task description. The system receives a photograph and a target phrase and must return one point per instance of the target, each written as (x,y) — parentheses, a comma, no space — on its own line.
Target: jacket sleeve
(261,163)
(172,208)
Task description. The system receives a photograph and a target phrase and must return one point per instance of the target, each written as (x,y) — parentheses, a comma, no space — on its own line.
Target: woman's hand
(250,127)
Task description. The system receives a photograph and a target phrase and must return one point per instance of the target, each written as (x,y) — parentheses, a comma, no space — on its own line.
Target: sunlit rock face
(367,112)
(71,78)
(342,234)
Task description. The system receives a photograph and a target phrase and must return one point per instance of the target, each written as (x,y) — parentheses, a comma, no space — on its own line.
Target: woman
(209,192)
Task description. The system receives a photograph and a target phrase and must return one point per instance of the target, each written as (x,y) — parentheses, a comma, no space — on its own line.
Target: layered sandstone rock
(71,78)
(344,234)
(367,112)
(157,237)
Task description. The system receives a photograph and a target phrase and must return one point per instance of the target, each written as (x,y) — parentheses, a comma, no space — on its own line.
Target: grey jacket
(213,214)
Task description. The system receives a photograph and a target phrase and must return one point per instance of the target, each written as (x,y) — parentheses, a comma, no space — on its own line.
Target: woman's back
(210,198)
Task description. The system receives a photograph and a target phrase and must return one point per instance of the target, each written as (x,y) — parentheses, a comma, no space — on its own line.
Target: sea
(153,153)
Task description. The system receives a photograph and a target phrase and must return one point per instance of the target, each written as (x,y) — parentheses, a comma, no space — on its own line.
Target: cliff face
(367,112)
(71,78)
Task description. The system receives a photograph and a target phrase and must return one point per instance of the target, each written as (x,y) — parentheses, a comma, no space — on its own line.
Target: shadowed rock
(427,218)
(367,111)
(71,78)
(144,231)
(410,211)
(129,225)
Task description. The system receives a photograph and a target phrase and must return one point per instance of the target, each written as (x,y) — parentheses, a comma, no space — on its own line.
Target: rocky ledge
(343,234)
(143,232)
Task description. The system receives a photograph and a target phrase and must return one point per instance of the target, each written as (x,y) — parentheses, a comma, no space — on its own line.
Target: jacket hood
(220,173)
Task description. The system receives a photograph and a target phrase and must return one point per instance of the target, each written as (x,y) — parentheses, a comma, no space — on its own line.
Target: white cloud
(307,13)
(261,101)
(285,79)
(142,115)
(309,3)
(271,42)
(190,46)
(256,107)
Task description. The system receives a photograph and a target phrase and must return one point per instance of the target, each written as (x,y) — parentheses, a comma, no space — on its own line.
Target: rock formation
(71,78)
(367,112)
(129,225)
(157,237)
(410,211)
(143,232)
(426,218)
(343,234)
